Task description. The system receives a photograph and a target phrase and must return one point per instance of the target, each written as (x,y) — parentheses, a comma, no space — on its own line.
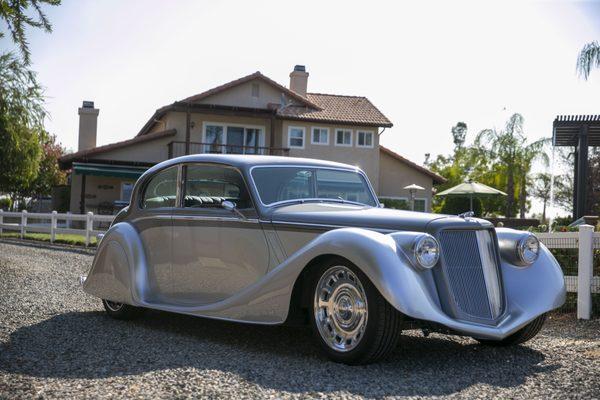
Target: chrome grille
(471,271)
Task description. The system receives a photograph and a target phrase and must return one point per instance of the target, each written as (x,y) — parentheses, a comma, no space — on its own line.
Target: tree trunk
(523,198)
(544,212)
(510,192)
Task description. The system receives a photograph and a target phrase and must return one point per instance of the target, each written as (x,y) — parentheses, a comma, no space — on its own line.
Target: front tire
(526,333)
(120,310)
(352,322)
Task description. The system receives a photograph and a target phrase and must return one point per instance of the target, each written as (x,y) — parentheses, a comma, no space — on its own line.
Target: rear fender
(118,272)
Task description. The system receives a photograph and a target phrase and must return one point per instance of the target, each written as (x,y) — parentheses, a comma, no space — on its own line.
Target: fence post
(23,223)
(89,226)
(1,219)
(68,220)
(53,227)
(584,271)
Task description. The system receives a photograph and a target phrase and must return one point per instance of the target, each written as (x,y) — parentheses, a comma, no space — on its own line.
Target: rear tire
(121,311)
(351,321)
(526,333)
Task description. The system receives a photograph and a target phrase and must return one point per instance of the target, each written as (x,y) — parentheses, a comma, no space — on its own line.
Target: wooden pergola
(581,132)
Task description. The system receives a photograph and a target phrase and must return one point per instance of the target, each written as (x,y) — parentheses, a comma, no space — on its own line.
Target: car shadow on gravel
(90,345)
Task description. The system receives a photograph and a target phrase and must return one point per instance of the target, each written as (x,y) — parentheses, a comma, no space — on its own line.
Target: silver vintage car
(273,240)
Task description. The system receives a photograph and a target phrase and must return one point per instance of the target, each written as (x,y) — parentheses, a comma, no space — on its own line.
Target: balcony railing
(177,149)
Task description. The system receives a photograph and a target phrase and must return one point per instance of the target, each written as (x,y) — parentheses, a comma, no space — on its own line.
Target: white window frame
(343,144)
(424,200)
(225,125)
(312,136)
(358,132)
(301,128)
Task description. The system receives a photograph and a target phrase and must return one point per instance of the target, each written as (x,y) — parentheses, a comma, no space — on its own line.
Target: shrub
(395,203)
(5,203)
(457,205)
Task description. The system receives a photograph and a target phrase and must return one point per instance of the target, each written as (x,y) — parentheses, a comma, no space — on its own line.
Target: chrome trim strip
(197,218)
(324,226)
(490,271)
(203,218)
(355,169)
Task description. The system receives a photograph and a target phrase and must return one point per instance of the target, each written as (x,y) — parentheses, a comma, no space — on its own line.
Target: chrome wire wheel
(340,308)
(113,305)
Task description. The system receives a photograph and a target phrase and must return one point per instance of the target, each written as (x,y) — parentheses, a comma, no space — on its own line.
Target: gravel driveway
(55,342)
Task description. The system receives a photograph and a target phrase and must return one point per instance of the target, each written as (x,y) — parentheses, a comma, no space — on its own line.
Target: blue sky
(426,65)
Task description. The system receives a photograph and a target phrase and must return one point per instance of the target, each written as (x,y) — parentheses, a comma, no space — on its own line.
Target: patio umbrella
(471,189)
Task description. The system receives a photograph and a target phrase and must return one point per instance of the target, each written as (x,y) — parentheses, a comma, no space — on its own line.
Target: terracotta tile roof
(436,178)
(68,158)
(256,75)
(337,108)
(318,107)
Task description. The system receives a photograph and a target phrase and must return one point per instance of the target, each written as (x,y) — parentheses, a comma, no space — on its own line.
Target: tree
(589,57)
(49,174)
(21,119)
(563,191)
(512,155)
(22,110)
(16,16)
(459,135)
(526,156)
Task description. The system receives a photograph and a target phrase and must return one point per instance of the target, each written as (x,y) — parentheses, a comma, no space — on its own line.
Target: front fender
(119,267)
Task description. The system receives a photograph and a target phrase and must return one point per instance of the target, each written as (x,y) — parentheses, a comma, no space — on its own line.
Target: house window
(255,90)
(296,137)
(343,137)
(320,136)
(421,205)
(364,139)
(232,139)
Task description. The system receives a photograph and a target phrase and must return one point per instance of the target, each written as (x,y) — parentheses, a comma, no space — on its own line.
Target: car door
(153,222)
(216,252)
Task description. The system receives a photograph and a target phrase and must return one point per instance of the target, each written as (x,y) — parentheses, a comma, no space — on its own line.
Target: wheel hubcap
(113,305)
(340,307)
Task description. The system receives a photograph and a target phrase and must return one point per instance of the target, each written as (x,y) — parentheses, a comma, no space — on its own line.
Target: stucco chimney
(299,80)
(88,125)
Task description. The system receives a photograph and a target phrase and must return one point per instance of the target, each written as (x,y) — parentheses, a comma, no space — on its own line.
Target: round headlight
(427,251)
(528,249)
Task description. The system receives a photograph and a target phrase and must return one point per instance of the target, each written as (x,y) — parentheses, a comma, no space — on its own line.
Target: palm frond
(589,58)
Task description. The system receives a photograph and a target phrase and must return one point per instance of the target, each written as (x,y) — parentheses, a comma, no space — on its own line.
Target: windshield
(277,184)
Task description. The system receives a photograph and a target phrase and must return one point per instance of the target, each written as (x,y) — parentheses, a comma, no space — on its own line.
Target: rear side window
(161,190)
(207,186)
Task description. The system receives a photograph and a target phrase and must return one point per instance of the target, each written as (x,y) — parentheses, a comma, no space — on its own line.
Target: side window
(207,186)
(161,190)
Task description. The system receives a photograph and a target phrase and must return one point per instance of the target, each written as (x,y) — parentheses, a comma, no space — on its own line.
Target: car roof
(247,161)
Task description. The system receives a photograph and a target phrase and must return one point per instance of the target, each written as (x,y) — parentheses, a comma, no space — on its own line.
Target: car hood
(367,217)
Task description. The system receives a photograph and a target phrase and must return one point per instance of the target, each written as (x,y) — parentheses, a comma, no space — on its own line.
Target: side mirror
(230,206)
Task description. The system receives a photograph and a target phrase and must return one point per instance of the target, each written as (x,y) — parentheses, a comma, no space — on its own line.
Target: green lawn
(76,240)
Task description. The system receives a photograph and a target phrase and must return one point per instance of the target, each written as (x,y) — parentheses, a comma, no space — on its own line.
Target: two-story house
(251,115)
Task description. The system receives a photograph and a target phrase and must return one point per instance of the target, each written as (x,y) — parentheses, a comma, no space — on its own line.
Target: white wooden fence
(586,240)
(585,283)
(49,223)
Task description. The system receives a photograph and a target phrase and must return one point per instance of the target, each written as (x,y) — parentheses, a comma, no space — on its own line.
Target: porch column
(582,172)
(82,198)
(187,131)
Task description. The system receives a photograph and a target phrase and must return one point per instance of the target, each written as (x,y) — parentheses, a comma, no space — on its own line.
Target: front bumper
(530,292)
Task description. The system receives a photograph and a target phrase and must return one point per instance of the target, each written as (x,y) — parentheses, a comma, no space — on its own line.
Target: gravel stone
(56,342)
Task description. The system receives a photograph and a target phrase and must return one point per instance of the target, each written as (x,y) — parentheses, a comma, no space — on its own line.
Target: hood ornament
(468,214)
